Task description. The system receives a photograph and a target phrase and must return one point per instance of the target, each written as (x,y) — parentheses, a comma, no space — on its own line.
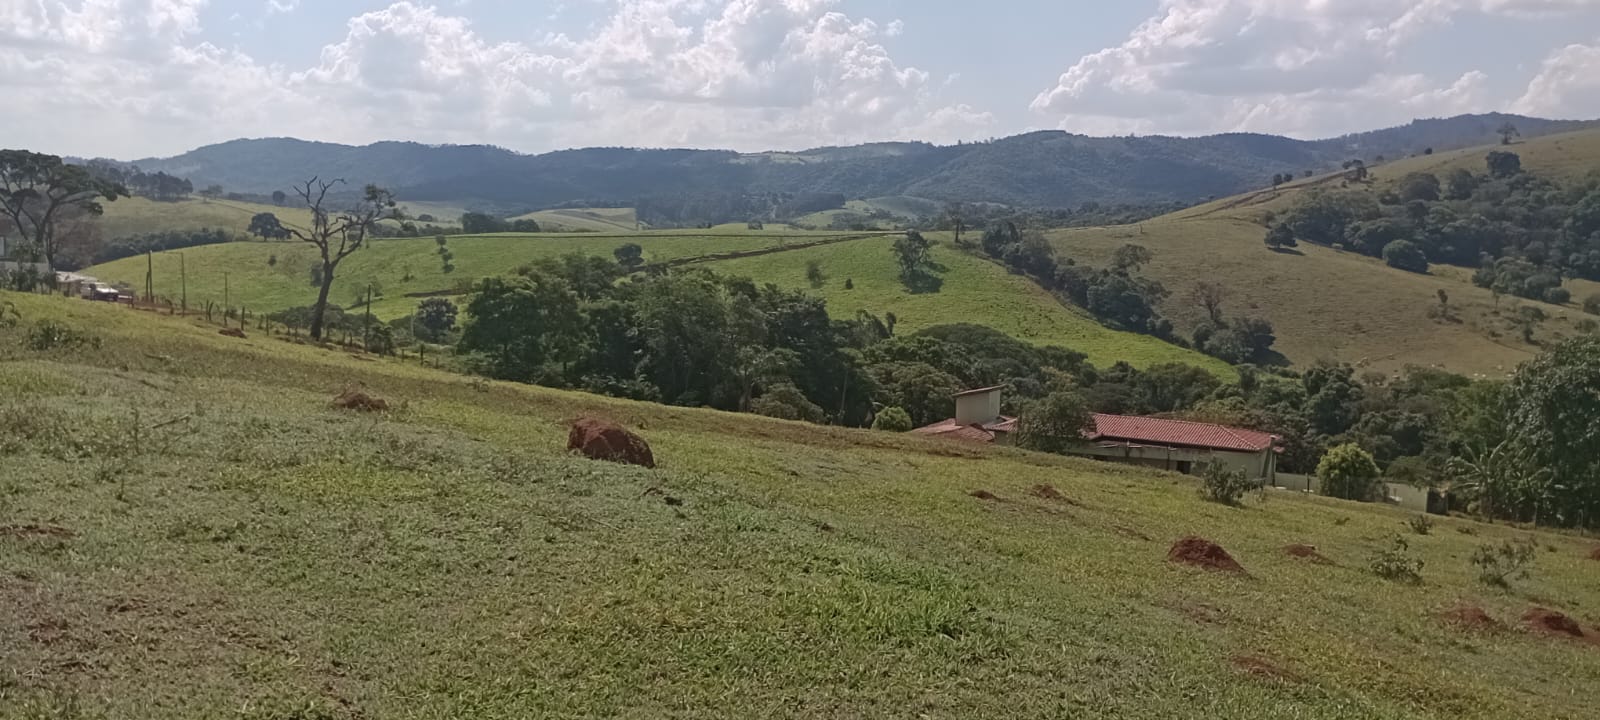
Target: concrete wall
(1301,483)
(1407,497)
(978,408)
(1396,494)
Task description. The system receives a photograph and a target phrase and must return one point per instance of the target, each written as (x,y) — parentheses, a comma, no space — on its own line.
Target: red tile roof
(1157,431)
(984,433)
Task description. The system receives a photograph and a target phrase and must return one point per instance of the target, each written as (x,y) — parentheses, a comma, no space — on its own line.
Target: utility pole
(183,277)
(149,277)
(225,300)
(366,327)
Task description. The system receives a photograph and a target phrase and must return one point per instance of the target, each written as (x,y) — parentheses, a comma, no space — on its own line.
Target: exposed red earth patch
(1471,617)
(1307,552)
(1203,553)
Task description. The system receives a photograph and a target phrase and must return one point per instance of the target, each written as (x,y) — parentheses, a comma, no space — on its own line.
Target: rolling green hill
(1049,169)
(273,276)
(137,216)
(1328,304)
(207,535)
(974,291)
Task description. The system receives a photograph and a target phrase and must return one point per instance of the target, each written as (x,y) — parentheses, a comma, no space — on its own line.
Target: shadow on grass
(1286,251)
(924,280)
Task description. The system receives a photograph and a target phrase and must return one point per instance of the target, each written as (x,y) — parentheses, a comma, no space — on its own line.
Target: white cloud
(1301,67)
(282,6)
(1568,84)
(1537,8)
(746,74)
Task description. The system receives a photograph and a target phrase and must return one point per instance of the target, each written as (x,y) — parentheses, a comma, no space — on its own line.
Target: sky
(140,78)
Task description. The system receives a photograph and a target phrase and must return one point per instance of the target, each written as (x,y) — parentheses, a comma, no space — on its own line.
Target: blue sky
(133,78)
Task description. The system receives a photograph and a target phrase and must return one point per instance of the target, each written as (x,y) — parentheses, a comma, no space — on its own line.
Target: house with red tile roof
(1175,445)
(1182,446)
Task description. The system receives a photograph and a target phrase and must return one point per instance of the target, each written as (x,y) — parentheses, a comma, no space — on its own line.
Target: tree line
(1522,232)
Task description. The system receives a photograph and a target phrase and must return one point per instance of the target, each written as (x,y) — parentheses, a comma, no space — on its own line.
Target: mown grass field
(602,220)
(974,291)
(902,206)
(138,216)
(189,529)
(1327,304)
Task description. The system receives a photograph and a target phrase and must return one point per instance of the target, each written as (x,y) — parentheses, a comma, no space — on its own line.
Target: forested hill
(1041,169)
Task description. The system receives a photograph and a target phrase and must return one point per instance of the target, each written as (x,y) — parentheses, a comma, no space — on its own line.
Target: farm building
(1181,446)
(977,419)
(1176,445)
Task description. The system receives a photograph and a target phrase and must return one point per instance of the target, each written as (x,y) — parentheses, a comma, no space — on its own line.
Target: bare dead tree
(1210,295)
(337,235)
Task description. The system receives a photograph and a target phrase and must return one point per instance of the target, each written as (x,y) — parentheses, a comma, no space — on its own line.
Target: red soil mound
(1263,668)
(232,332)
(1203,553)
(1471,617)
(360,402)
(983,495)
(1308,552)
(1046,492)
(1550,622)
(1595,555)
(23,531)
(604,440)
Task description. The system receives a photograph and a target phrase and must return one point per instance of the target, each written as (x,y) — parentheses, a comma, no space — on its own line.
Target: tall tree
(1131,257)
(36,189)
(1209,295)
(1555,406)
(1503,164)
(267,227)
(337,235)
(629,256)
(1507,131)
(278,197)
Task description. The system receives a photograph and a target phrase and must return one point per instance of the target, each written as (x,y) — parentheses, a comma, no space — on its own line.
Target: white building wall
(979,408)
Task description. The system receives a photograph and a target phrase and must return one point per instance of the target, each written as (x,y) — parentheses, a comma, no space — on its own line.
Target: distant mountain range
(1041,169)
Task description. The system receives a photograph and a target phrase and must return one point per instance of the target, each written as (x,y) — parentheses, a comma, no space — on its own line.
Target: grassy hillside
(137,215)
(1332,305)
(904,208)
(974,291)
(210,535)
(603,220)
(277,275)
(444,213)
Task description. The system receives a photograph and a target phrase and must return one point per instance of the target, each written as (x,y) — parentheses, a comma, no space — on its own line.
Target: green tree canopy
(1055,424)
(1554,406)
(1348,472)
(267,227)
(37,189)
(1405,255)
(1503,164)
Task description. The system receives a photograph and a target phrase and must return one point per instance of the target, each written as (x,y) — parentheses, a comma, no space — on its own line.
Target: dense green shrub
(1348,472)
(892,420)
(1221,485)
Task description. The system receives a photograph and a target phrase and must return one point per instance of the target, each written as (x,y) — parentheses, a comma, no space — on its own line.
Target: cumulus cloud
(746,74)
(1302,67)
(1568,84)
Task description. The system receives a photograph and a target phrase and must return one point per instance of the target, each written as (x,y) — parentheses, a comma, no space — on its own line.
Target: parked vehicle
(101,292)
